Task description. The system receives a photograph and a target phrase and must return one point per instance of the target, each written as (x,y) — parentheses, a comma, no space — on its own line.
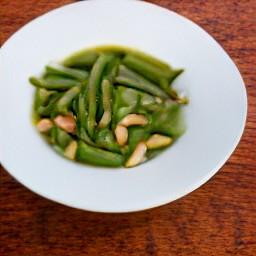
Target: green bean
(163,77)
(83,135)
(100,110)
(60,137)
(75,106)
(42,97)
(45,111)
(174,74)
(81,114)
(136,134)
(123,71)
(105,139)
(128,96)
(173,93)
(54,83)
(78,74)
(115,50)
(134,107)
(175,96)
(93,86)
(124,111)
(97,156)
(168,121)
(85,58)
(149,59)
(126,101)
(38,101)
(81,106)
(134,80)
(66,99)
(152,89)
(146,69)
(122,51)
(107,102)
(131,97)
(116,100)
(112,70)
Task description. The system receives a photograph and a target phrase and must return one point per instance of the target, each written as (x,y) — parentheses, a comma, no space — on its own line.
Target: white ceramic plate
(215,116)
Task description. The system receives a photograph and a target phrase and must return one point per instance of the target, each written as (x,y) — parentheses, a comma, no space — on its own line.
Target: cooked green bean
(42,97)
(60,137)
(175,96)
(131,79)
(131,97)
(83,135)
(107,99)
(112,70)
(97,156)
(105,139)
(81,59)
(75,106)
(154,90)
(136,134)
(168,121)
(81,112)
(93,85)
(152,71)
(50,108)
(150,60)
(66,100)
(109,106)
(146,69)
(54,83)
(78,74)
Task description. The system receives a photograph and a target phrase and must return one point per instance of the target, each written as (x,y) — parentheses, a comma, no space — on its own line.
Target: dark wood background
(216,219)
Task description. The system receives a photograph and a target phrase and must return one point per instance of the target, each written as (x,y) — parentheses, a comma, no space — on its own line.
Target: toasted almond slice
(70,150)
(137,155)
(44,125)
(67,123)
(134,119)
(121,133)
(158,141)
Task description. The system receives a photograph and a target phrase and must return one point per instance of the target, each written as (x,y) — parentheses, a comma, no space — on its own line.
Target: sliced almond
(134,119)
(67,123)
(137,155)
(70,150)
(158,141)
(44,125)
(121,133)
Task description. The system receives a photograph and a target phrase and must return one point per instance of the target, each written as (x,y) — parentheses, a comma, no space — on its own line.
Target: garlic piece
(158,141)
(137,155)
(133,119)
(67,123)
(44,125)
(121,135)
(70,150)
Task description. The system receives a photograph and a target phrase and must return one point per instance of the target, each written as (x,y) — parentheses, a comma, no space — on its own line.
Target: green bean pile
(108,106)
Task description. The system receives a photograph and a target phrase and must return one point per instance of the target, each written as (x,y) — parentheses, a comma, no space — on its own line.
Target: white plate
(215,116)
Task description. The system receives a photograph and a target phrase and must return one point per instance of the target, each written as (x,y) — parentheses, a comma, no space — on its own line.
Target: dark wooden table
(217,219)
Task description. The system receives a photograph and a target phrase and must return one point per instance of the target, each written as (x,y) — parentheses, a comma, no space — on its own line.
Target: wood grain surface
(216,219)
